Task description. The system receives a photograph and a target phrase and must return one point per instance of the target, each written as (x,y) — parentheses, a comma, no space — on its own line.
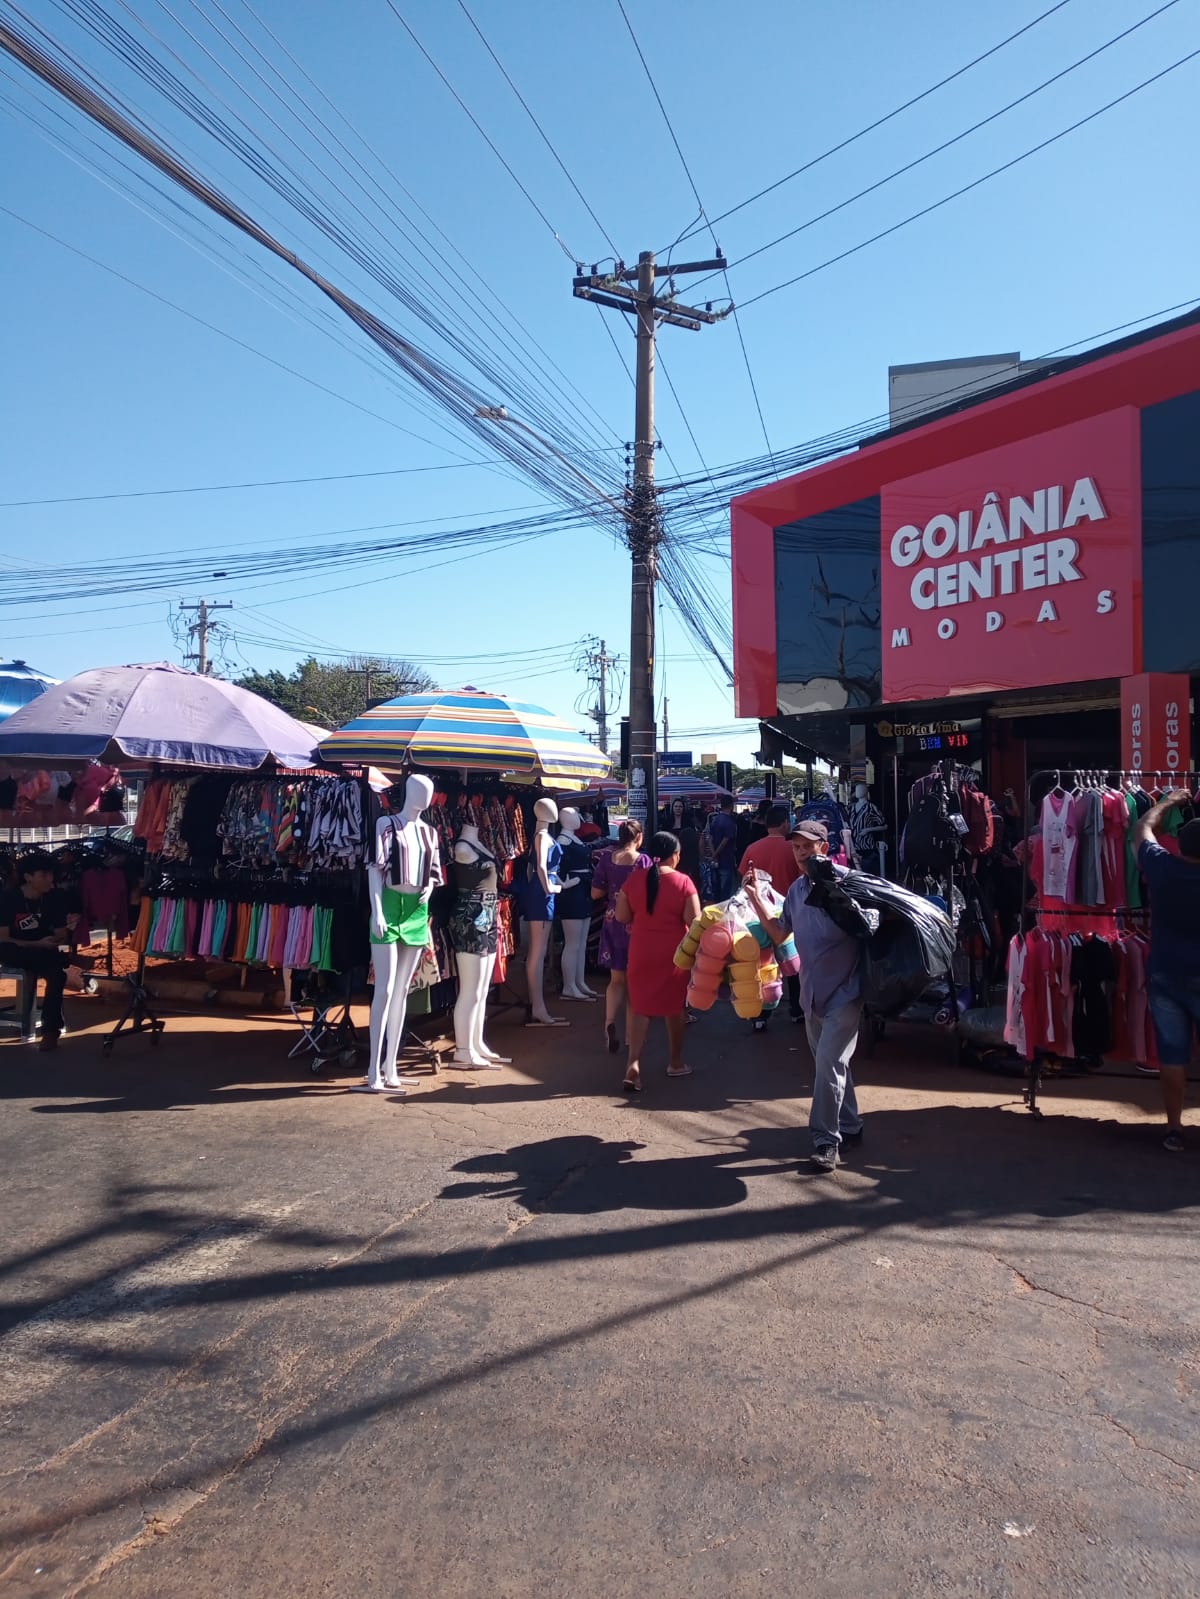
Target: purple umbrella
(122,715)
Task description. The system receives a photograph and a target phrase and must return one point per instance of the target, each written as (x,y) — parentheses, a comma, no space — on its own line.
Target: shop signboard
(1156,723)
(1017,567)
(676,760)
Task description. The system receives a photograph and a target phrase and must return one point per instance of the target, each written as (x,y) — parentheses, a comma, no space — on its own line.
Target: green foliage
(331,694)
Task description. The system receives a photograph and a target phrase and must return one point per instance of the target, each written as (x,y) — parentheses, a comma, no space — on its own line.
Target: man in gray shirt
(830,994)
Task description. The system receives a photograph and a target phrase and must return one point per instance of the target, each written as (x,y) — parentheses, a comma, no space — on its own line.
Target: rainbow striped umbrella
(467,729)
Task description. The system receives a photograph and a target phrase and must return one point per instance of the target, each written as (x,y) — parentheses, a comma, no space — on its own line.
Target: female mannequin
(402,876)
(473,937)
(537,906)
(574,907)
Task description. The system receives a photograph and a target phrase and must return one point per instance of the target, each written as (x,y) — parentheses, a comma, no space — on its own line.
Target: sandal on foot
(684,1071)
(633,1085)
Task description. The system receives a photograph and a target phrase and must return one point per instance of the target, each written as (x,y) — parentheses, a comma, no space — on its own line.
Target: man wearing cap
(830,995)
(1174,966)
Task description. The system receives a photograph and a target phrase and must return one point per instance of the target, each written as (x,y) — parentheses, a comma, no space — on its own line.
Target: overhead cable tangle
(386,205)
(279,295)
(395,182)
(161,78)
(222,333)
(451,391)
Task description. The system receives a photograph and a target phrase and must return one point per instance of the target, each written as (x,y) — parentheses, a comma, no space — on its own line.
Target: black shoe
(797,1015)
(760,1026)
(853,1139)
(824,1157)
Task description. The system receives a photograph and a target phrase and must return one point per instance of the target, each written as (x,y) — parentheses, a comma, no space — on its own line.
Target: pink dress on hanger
(1058,845)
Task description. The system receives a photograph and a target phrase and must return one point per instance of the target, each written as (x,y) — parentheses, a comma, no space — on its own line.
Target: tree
(332,693)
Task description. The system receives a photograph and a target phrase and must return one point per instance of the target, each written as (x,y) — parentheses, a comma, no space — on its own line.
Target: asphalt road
(261,1336)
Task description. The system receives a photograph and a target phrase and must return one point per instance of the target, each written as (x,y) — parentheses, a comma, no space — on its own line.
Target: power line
(479,128)
(957,138)
(263,483)
(426,373)
(879,121)
(544,135)
(700,203)
(221,332)
(395,183)
(975,184)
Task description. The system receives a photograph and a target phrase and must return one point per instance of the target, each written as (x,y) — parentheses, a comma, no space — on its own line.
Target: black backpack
(931,841)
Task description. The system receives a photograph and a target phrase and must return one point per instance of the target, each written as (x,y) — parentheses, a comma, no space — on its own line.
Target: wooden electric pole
(613,291)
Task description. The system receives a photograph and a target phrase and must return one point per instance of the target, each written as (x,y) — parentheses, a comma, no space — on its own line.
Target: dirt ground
(514,1334)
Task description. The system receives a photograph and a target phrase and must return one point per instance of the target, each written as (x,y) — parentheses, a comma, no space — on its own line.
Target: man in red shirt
(776,859)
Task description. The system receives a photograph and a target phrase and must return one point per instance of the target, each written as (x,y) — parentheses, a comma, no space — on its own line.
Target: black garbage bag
(912,946)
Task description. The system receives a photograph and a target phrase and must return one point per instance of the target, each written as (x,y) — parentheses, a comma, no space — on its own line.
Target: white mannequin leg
(575,931)
(468,1012)
(477,1043)
(537,935)
(394,967)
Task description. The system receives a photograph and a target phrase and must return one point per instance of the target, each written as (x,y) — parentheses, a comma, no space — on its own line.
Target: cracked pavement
(517,1335)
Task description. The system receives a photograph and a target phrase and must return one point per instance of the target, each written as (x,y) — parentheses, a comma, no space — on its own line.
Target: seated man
(33,923)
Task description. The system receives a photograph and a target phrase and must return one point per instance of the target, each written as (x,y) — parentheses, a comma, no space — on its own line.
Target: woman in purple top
(612,868)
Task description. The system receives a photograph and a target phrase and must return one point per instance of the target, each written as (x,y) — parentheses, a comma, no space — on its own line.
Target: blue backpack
(824,808)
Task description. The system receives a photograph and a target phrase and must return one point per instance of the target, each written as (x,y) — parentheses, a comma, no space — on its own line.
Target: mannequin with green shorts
(403,873)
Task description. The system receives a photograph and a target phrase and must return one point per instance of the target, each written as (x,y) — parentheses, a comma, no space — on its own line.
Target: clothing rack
(1148,782)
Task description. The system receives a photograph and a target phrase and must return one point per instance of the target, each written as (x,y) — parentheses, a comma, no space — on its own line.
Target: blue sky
(111,390)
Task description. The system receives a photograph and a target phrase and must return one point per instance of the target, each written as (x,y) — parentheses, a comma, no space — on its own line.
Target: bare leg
(538,936)
(615,1003)
(676,1030)
(1173,1080)
(639,1026)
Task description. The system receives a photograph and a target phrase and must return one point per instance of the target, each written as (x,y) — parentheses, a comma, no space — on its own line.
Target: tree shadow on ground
(949,1175)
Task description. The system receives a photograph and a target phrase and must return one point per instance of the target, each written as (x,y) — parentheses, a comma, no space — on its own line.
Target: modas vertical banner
(1156,723)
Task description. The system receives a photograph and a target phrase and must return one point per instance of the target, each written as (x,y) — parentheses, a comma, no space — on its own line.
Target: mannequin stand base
(544,1021)
(400,1087)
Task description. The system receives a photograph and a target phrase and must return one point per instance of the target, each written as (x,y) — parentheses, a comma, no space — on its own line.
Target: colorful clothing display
(1079,996)
(268,935)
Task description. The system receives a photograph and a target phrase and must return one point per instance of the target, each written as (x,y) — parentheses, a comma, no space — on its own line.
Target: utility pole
(598,663)
(613,291)
(199,630)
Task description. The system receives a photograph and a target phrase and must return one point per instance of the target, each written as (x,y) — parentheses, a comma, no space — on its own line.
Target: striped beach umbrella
(471,730)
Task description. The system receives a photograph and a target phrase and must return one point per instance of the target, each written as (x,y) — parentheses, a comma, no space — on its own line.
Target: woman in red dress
(658,905)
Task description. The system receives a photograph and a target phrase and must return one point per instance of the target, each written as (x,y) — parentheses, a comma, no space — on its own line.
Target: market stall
(489,758)
(264,869)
